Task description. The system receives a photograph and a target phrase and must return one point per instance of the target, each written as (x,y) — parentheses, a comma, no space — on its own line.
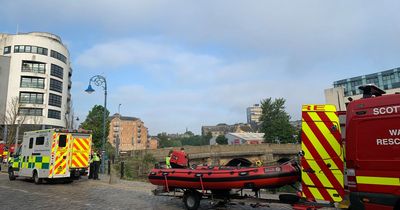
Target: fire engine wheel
(191,199)
(11,175)
(36,178)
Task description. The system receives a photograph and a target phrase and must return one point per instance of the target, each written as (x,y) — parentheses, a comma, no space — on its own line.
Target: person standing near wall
(168,159)
(91,166)
(96,163)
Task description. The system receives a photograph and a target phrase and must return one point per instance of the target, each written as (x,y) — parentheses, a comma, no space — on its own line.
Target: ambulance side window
(30,143)
(62,141)
(40,140)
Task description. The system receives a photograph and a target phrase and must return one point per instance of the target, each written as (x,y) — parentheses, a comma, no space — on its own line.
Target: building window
(7,50)
(58,56)
(30,98)
(57,71)
(387,79)
(356,83)
(30,111)
(35,67)
(56,85)
(30,49)
(55,100)
(396,85)
(373,80)
(54,114)
(32,82)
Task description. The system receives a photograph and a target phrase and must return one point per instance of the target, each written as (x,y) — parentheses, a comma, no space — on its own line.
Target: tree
(275,122)
(94,122)
(192,140)
(12,119)
(221,139)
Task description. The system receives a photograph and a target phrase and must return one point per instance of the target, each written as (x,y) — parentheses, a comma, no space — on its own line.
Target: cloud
(181,63)
(196,88)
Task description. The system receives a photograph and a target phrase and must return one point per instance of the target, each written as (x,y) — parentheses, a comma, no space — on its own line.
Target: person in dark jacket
(96,163)
(91,167)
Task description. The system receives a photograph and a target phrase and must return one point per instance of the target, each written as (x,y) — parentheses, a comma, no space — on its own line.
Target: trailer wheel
(36,178)
(289,198)
(11,175)
(191,199)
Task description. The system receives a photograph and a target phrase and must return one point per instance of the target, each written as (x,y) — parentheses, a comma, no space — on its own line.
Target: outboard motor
(179,159)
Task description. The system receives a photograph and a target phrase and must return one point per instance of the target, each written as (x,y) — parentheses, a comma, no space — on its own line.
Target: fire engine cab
(365,151)
(52,154)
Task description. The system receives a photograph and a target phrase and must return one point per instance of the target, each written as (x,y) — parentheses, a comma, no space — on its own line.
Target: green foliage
(196,140)
(94,122)
(192,140)
(165,141)
(137,167)
(221,139)
(110,150)
(275,122)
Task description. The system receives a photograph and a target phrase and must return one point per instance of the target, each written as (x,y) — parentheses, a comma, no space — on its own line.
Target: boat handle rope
(166,182)
(202,186)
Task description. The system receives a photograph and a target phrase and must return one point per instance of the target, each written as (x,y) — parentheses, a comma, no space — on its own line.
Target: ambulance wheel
(36,178)
(11,175)
(191,199)
(68,181)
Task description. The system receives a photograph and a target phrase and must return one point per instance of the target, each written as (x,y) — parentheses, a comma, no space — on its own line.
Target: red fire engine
(369,152)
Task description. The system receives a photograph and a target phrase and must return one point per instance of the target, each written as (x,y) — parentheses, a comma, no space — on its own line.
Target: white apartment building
(35,70)
(253,114)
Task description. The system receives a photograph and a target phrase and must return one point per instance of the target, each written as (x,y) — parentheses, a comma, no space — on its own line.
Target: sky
(181,65)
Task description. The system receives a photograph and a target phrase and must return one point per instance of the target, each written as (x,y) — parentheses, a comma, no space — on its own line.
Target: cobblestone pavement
(89,194)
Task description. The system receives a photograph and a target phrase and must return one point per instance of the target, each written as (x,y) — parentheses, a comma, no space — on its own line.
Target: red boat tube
(226,177)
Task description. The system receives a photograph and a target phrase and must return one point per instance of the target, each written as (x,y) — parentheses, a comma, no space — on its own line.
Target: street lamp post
(100,81)
(118,142)
(16,137)
(77,123)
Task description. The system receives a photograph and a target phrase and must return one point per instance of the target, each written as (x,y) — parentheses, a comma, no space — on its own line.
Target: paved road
(89,194)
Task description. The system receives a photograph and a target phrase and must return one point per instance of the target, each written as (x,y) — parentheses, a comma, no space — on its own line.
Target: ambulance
(52,154)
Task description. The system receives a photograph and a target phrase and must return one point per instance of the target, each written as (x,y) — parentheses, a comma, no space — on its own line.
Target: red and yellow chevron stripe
(53,153)
(80,152)
(62,157)
(322,163)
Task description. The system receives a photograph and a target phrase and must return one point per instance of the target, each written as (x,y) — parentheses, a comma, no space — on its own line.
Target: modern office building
(35,80)
(388,81)
(253,114)
(130,132)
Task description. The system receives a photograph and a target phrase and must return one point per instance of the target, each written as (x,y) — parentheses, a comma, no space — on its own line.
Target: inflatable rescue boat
(223,177)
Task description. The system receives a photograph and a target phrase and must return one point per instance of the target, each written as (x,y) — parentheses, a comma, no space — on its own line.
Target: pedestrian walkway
(124,184)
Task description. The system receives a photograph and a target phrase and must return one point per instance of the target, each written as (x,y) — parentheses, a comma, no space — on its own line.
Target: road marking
(24,191)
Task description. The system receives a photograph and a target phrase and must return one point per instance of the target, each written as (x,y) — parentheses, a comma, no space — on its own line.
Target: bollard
(122,169)
(109,167)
